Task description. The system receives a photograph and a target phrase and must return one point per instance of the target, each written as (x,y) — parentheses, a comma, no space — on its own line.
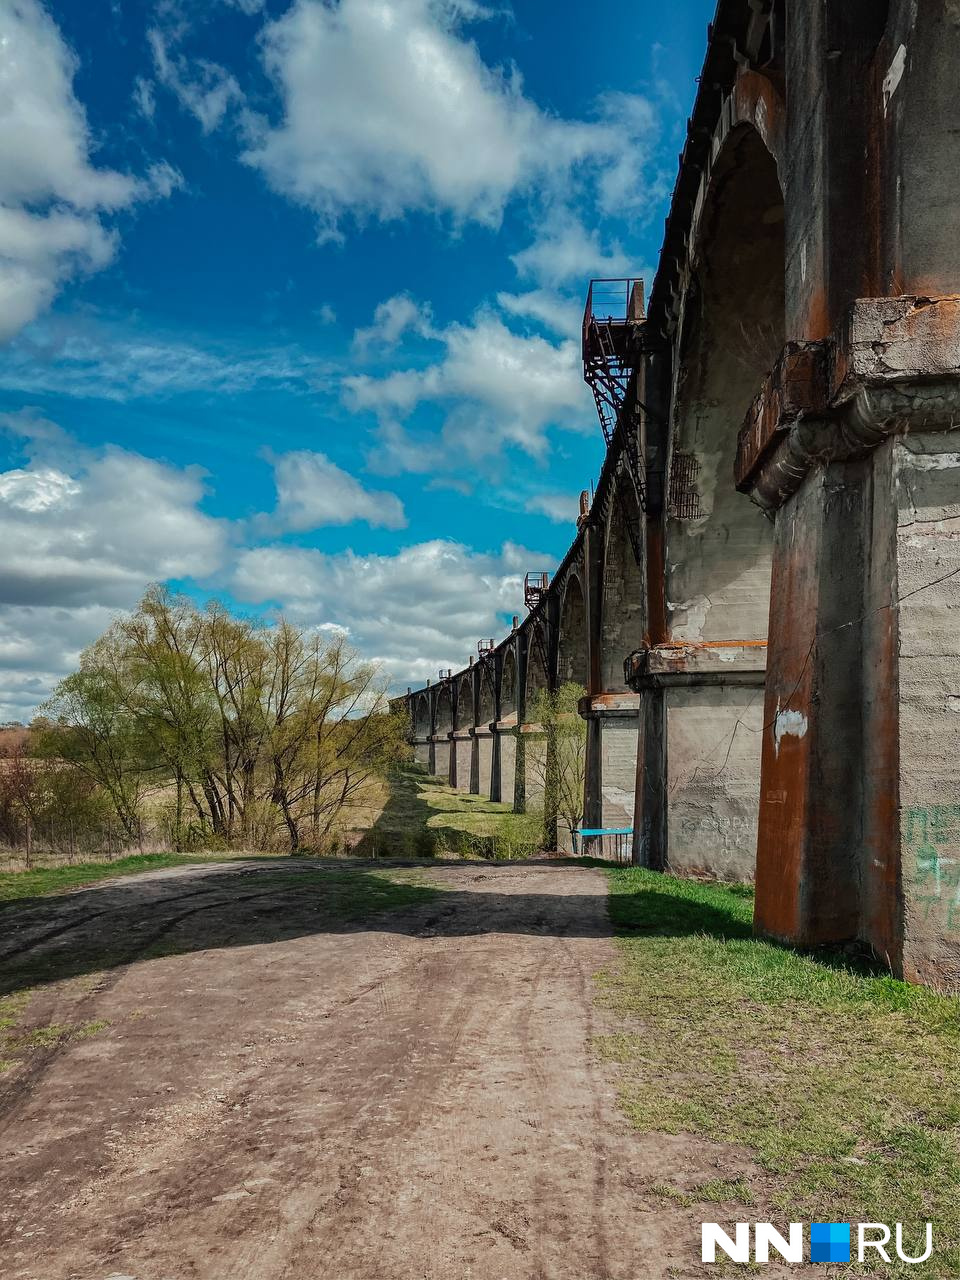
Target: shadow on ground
(423,817)
(195,909)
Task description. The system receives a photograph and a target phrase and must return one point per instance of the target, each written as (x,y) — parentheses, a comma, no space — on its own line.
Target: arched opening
(623,607)
(443,726)
(445,710)
(421,717)
(507,741)
(461,755)
(508,686)
(537,677)
(487,710)
(718,543)
(572,661)
(464,709)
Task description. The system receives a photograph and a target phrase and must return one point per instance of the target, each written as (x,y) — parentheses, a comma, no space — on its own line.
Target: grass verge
(45,881)
(844,1084)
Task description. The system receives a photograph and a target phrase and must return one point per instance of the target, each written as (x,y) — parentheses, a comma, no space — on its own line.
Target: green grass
(844,1084)
(45,881)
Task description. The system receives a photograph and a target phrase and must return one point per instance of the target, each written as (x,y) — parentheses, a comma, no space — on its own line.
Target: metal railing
(535,588)
(613,844)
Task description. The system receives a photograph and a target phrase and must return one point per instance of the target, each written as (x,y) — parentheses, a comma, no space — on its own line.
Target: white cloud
(553,310)
(388,107)
(83,533)
(415,612)
(313,492)
(52,197)
(565,251)
(203,88)
(144,97)
(90,358)
(563,508)
(497,388)
(393,319)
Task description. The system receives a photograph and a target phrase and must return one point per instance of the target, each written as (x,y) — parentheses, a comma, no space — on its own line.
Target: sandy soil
(410,1098)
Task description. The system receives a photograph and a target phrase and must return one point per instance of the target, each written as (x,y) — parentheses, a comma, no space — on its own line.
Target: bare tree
(562,765)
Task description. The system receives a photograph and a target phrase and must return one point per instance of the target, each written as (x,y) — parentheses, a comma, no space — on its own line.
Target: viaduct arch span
(763,599)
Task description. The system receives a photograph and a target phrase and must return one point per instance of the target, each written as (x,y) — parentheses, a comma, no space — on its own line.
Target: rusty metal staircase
(611,321)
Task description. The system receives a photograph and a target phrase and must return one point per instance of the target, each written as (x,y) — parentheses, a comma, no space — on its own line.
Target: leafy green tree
(263,732)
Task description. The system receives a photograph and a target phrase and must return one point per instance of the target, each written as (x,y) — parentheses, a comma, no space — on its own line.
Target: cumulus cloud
(415,612)
(84,531)
(313,492)
(52,196)
(393,320)
(496,387)
(388,107)
(566,251)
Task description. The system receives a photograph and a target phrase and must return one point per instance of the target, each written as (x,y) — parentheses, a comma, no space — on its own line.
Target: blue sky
(289,300)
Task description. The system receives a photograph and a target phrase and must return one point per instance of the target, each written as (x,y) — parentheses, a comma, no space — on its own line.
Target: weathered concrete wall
(421,752)
(463,747)
(484,745)
(926,471)
(713,779)
(718,550)
(618,763)
(508,766)
(441,758)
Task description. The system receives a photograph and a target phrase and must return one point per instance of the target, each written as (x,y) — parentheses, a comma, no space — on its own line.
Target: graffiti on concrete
(933,843)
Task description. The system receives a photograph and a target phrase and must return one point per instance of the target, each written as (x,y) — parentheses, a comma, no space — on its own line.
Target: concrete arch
(443,727)
(464,710)
(487,699)
(505,764)
(623,603)
(462,748)
(538,677)
(508,685)
(444,710)
(573,657)
(719,548)
(421,716)
(718,545)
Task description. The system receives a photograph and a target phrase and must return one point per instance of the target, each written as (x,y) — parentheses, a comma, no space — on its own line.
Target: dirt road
(412,1096)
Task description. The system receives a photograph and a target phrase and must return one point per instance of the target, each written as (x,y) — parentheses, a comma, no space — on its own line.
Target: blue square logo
(830,1242)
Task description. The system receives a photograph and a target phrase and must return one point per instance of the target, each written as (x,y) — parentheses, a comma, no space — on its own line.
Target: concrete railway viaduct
(762,599)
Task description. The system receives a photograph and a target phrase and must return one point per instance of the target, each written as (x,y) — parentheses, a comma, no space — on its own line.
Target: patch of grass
(45,881)
(715,1191)
(844,1083)
(49,1036)
(423,817)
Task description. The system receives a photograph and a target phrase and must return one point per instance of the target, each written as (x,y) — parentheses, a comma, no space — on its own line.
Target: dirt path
(411,1098)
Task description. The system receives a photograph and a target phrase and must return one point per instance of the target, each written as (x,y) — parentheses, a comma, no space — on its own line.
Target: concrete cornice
(892,367)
